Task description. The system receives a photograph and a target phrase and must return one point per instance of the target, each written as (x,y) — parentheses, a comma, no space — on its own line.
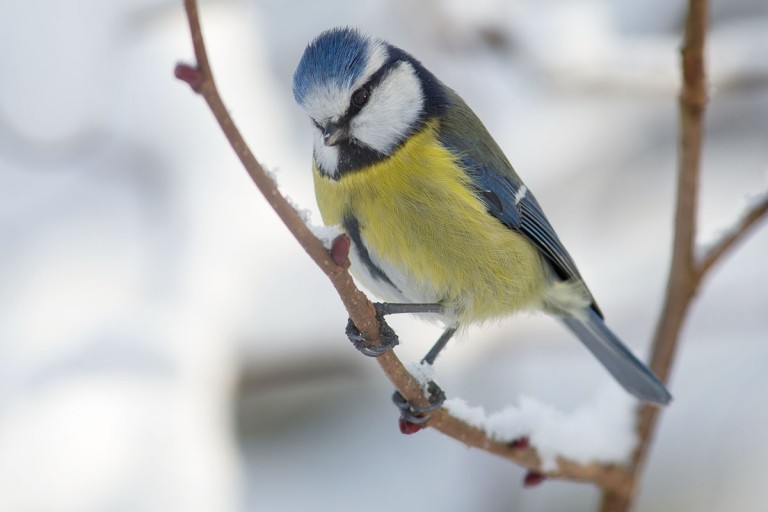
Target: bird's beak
(333,133)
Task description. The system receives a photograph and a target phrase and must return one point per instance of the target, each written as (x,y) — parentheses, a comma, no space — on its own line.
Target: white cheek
(327,157)
(395,106)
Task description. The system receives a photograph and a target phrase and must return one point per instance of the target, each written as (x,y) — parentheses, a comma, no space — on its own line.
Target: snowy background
(165,345)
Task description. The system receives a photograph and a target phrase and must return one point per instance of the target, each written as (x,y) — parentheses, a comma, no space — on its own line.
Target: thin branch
(749,219)
(360,310)
(200,78)
(686,273)
(682,282)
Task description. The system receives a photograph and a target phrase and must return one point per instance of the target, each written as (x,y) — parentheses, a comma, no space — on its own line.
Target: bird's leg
(412,417)
(419,414)
(388,337)
(439,345)
(392,308)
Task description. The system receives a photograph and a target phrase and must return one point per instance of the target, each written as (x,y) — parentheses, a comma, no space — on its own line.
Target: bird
(439,221)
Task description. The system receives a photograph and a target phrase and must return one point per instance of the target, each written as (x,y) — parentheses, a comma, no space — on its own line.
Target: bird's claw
(419,414)
(389,339)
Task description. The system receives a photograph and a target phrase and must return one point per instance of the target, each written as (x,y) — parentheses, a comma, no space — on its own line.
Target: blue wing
(499,187)
(516,207)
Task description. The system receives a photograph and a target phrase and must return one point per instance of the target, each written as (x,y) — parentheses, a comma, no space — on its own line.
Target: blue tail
(630,372)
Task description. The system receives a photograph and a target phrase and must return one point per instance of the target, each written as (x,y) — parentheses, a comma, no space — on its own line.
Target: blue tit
(434,210)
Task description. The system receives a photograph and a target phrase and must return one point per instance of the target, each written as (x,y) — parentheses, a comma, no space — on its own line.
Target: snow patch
(601,431)
(422,372)
(326,234)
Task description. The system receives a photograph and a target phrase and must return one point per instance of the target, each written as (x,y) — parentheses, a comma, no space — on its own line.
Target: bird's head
(364,96)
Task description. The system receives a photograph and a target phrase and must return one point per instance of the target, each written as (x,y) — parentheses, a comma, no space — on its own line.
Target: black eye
(360,97)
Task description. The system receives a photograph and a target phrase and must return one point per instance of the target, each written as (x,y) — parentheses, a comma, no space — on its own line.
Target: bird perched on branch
(438,219)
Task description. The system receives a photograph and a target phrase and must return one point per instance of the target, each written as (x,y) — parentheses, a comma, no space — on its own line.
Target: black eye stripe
(382,72)
(371,85)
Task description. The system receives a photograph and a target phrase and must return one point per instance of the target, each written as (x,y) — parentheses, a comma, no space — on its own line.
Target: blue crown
(337,56)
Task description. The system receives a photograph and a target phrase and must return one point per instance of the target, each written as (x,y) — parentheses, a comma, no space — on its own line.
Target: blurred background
(165,345)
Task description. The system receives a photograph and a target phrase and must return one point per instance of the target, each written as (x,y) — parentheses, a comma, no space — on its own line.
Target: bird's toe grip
(419,414)
(389,339)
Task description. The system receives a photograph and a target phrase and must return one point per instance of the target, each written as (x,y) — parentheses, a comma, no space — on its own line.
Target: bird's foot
(389,339)
(414,417)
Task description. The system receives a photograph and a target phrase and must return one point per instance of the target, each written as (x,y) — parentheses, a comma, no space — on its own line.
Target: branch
(683,281)
(755,213)
(360,310)
(686,273)
(200,78)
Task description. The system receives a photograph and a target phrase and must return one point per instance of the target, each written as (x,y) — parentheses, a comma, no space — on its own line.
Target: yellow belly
(418,214)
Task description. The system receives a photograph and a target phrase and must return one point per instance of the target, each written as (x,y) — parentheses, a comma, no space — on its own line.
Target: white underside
(408,289)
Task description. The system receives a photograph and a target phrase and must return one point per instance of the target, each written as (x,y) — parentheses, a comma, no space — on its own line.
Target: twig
(200,78)
(682,282)
(755,213)
(360,309)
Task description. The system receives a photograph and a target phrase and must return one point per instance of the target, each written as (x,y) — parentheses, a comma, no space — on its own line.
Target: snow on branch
(601,431)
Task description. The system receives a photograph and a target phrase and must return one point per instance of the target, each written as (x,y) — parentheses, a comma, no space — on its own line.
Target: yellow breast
(418,213)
